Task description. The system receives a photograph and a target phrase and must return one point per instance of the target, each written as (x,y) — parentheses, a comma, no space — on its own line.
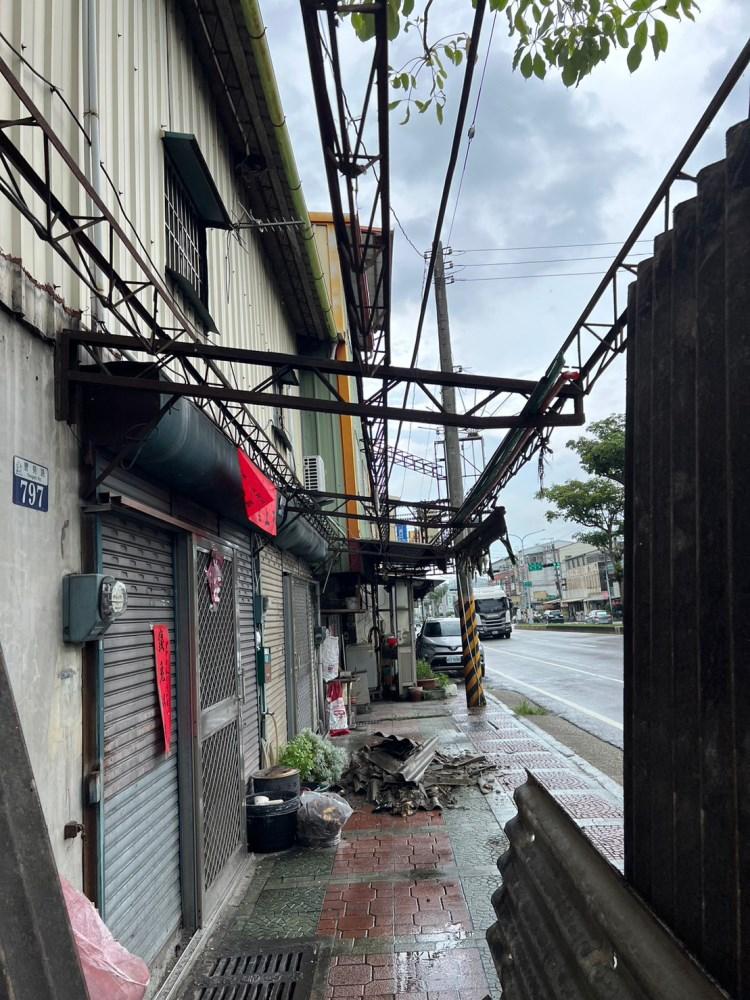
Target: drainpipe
(91,124)
(262,57)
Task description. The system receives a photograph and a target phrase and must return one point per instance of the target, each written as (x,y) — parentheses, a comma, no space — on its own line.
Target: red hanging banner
(163,663)
(261,498)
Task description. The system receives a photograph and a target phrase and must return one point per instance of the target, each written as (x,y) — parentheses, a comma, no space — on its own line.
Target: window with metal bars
(185,237)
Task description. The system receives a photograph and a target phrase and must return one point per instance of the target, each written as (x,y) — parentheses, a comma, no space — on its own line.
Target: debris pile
(401,776)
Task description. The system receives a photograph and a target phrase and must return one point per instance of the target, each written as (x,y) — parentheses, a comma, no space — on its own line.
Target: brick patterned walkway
(401,907)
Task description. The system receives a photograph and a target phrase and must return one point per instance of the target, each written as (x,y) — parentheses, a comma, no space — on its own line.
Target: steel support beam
(224,394)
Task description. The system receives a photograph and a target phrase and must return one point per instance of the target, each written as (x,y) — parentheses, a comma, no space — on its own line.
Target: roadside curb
(611,787)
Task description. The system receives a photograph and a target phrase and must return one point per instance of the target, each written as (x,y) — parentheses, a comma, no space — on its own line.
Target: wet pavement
(402,905)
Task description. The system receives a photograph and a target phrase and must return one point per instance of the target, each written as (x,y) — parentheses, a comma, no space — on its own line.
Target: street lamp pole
(525,589)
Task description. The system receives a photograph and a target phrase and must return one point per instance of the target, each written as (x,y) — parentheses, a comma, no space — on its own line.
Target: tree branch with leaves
(572,37)
(597,504)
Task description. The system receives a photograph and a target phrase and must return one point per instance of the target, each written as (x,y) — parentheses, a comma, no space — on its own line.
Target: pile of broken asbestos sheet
(401,776)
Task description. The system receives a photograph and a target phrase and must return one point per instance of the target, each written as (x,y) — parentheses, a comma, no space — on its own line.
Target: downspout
(257,31)
(91,124)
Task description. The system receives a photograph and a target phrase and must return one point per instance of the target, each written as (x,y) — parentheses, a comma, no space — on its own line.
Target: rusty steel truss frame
(154,376)
(363,250)
(141,303)
(595,341)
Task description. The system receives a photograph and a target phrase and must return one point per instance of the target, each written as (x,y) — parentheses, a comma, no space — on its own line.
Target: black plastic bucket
(272,828)
(276,781)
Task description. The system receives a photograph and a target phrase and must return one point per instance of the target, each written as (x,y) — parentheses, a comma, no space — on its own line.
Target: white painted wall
(36,550)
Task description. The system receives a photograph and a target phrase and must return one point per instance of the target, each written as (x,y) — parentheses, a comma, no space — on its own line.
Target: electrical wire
(544,274)
(548,246)
(546,260)
(472,127)
(452,160)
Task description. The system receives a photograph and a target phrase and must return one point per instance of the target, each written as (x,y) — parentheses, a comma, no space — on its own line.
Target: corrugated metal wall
(149,81)
(142,894)
(687,602)
(273,565)
(244,583)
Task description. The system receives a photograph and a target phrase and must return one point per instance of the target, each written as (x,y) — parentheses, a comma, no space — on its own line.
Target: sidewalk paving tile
(401,907)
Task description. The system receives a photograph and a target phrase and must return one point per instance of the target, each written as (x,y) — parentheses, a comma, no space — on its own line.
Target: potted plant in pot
(426,679)
(320,763)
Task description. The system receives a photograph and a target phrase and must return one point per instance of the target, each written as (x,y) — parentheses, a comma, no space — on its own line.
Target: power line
(553,274)
(455,146)
(472,127)
(547,260)
(548,246)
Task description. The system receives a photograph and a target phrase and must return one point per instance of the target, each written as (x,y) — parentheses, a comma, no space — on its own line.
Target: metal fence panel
(686,558)
(568,925)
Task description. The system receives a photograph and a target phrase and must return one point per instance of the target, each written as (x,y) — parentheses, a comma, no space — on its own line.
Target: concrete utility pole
(454,475)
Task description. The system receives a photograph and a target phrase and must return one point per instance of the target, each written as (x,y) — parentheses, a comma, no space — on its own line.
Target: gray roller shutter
(299,651)
(240,538)
(142,891)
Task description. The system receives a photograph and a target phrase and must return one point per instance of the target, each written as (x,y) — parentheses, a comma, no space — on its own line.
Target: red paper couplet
(163,663)
(261,498)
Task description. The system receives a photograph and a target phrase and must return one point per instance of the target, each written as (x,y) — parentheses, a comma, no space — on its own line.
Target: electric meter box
(91,602)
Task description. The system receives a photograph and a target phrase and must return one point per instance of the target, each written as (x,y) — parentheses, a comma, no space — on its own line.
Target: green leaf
(536,13)
(687,6)
(404,78)
(569,75)
(623,39)
(519,24)
(393,104)
(407,116)
(364,26)
(549,18)
(407,7)
(527,66)
(517,56)
(459,57)
(540,68)
(640,6)
(640,39)
(439,112)
(394,23)
(594,8)
(396,83)
(498,4)
(634,59)
(672,8)
(661,35)
(631,21)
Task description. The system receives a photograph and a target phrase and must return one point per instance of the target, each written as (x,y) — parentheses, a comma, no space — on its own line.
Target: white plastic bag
(320,818)
(337,720)
(110,971)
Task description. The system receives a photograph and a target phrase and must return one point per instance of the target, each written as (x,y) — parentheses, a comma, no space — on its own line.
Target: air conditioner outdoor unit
(315,473)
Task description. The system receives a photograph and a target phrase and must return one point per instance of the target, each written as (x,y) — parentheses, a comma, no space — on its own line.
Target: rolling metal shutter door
(273,638)
(142,891)
(303,679)
(241,540)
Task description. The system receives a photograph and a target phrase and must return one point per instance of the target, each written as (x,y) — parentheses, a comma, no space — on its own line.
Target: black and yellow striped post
(470,642)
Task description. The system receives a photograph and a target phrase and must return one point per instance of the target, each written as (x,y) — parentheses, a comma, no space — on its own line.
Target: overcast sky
(548,166)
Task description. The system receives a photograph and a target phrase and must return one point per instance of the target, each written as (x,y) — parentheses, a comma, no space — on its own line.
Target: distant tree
(572,36)
(602,451)
(597,504)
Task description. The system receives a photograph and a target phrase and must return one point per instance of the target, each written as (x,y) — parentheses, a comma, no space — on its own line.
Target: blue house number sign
(30,484)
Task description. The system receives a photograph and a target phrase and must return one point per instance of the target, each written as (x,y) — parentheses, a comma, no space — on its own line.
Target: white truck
(493,613)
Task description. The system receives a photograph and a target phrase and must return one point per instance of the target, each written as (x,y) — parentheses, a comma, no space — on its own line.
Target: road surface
(572,674)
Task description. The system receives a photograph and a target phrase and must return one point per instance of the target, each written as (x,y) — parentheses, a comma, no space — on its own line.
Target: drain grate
(266,973)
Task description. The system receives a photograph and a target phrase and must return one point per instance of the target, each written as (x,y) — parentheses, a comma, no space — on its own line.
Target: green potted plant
(426,679)
(320,763)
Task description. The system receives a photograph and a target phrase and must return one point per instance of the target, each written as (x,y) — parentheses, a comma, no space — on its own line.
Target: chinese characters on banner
(163,663)
(261,499)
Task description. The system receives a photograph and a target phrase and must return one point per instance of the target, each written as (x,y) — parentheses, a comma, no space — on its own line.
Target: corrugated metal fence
(687,682)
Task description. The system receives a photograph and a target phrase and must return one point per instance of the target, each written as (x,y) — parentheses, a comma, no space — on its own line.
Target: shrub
(315,757)
(424,670)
